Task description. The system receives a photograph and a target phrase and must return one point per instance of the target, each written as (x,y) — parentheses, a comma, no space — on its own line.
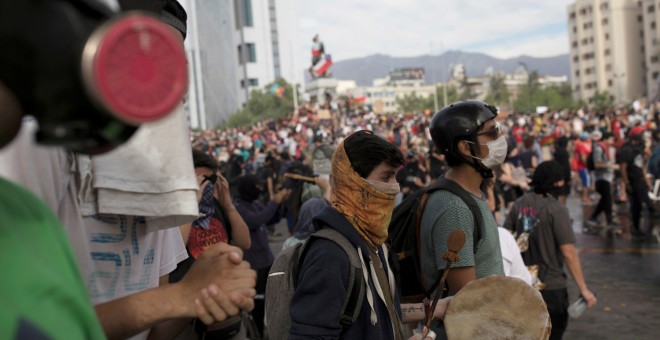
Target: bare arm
(271,189)
(185,232)
(239,230)
(575,268)
(414,312)
(624,174)
(457,278)
(171,328)
(219,266)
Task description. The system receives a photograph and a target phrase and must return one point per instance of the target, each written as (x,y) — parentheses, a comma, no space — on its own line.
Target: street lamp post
(530,94)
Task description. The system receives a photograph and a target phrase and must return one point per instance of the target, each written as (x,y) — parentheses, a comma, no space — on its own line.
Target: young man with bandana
(546,238)
(364,186)
(467,134)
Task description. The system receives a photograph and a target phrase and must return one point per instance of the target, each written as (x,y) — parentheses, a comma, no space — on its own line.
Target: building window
(608,67)
(607,51)
(572,15)
(574,44)
(639,18)
(587,71)
(651,9)
(607,36)
(604,21)
(243,7)
(653,25)
(577,73)
(574,29)
(576,59)
(655,75)
(654,59)
(577,87)
(249,55)
(252,82)
(610,82)
(603,6)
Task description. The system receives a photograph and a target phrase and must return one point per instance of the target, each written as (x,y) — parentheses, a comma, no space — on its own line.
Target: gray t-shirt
(601,155)
(446,212)
(549,225)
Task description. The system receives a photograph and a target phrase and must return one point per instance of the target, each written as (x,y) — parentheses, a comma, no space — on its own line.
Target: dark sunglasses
(494,133)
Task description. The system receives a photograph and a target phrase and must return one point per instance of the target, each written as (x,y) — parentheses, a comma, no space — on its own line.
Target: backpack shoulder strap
(356,285)
(453,187)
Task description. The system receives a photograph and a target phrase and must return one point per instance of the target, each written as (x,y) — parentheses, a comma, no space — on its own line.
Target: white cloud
(503,28)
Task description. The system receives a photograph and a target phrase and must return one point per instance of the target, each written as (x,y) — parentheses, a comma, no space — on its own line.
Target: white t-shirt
(511,258)
(116,255)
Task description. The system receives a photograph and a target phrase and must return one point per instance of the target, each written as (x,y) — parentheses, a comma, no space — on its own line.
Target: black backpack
(404,238)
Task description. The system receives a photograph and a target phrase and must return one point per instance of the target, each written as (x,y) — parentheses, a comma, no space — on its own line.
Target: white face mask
(496,152)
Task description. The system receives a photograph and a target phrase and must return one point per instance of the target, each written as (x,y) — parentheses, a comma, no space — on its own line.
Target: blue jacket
(257,215)
(321,290)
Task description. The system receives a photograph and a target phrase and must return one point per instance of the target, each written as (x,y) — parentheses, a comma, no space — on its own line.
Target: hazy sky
(501,28)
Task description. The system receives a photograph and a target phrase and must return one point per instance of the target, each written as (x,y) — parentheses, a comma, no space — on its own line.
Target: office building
(234,47)
(607,49)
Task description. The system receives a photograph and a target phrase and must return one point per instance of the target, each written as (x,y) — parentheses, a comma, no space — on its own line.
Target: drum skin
(497,307)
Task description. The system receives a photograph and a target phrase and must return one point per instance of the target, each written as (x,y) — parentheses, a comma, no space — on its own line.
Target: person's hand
(425,334)
(202,186)
(281,195)
(222,190)
(589,297)
(214,305)
(218,274)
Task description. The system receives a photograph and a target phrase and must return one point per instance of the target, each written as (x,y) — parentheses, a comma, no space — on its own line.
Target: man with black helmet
(467,134)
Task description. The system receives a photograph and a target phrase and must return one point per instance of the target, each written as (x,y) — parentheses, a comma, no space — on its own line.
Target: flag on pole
(323,65)
(277,90)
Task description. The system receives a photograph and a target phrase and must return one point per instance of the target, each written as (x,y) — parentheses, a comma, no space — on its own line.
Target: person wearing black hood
(545,236)
(633,174)
(561,156)
(257,216)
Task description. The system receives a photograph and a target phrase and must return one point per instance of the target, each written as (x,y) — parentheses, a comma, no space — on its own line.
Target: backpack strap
(350,308)
(443,183)
(453,187)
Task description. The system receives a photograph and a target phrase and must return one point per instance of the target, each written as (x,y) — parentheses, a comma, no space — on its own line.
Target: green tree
(529,94)
(452,96)
(602,100)
(556,97)
(414,103)
(499,94)
(264,105)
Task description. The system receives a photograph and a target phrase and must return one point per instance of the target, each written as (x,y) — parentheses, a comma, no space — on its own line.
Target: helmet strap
(476,164)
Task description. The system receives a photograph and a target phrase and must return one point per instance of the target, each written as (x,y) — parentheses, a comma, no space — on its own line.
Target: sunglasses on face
(493,133)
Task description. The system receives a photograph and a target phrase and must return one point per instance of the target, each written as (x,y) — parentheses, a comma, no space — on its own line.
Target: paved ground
(624,274)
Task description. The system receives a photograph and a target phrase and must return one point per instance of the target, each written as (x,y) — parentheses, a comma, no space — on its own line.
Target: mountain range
(365,70)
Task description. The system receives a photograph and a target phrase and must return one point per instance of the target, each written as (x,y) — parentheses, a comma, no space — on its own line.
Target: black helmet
(458,121)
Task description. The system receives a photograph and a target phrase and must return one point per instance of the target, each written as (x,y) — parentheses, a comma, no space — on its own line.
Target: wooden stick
(455,242)
(300,177)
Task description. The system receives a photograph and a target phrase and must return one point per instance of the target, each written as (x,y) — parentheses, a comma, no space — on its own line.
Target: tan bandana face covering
(366,204)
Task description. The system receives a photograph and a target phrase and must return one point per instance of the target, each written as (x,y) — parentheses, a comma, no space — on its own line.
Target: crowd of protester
(567,136)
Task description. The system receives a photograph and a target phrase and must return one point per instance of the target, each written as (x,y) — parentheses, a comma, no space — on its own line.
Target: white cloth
(152,175)
(117,256)
(511,258)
